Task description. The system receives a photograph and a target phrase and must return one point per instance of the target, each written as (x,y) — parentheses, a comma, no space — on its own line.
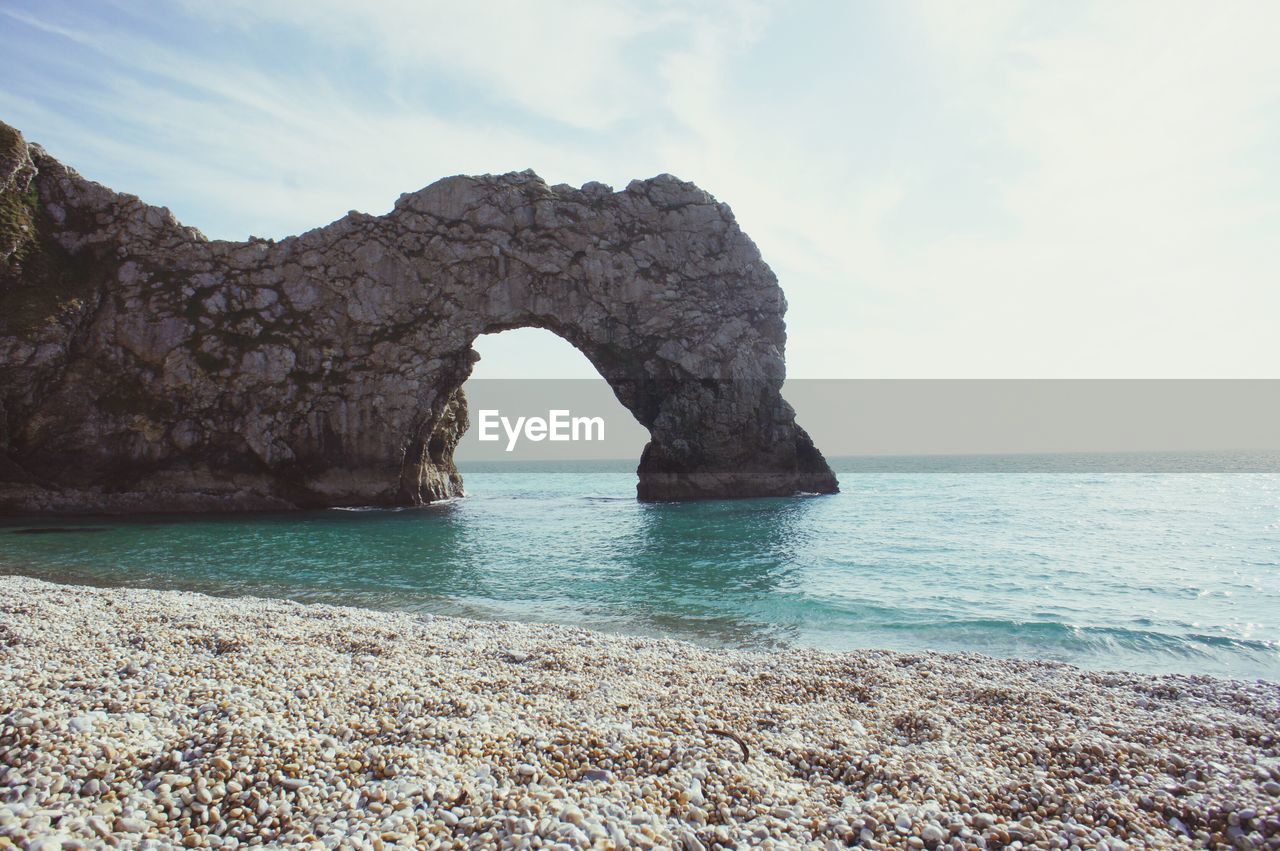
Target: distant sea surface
(1147,563)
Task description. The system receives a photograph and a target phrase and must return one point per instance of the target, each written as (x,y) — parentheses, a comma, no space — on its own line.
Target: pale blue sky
(944,190)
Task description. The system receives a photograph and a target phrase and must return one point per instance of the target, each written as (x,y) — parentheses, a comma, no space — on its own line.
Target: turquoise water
(1157,572)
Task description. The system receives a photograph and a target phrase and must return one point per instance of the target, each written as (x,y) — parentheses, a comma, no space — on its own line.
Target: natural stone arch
(326,369)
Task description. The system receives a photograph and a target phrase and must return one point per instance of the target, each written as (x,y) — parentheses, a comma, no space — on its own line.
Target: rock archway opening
(526,377)
(529,353)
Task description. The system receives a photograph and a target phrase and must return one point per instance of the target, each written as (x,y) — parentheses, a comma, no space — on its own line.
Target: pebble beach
(154,719)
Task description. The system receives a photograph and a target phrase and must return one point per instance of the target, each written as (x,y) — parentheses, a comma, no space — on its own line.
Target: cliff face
(144,367)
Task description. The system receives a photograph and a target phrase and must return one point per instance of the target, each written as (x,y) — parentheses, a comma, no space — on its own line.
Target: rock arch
(145,367)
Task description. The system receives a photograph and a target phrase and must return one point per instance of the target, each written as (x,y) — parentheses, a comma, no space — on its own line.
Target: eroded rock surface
(145,367)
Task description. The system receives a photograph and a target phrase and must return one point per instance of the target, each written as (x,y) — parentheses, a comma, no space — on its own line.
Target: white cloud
(1001,189)
(559,59)
(273,153)
(1139,240)
(1138,200)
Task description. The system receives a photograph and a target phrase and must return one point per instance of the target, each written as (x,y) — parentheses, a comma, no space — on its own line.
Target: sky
(945,190)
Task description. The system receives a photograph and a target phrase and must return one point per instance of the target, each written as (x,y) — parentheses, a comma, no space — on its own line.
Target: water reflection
(716,572)
(380,559)
(1170,572)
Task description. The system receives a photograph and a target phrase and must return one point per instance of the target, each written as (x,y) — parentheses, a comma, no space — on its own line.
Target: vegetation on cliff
(41,285)
(18,200)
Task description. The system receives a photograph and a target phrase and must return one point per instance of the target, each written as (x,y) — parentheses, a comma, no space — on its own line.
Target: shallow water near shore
(1146,571)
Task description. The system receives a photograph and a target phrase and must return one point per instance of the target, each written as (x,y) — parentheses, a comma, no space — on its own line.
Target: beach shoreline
(153,718)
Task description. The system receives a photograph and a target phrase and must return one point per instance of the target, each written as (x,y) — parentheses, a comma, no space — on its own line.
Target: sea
(1157,563)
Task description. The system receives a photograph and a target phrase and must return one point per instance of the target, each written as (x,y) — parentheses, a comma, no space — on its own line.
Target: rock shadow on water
(60,530)
(388,559)
(717,572)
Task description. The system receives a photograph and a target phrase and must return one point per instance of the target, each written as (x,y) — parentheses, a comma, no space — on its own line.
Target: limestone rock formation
(145,367)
